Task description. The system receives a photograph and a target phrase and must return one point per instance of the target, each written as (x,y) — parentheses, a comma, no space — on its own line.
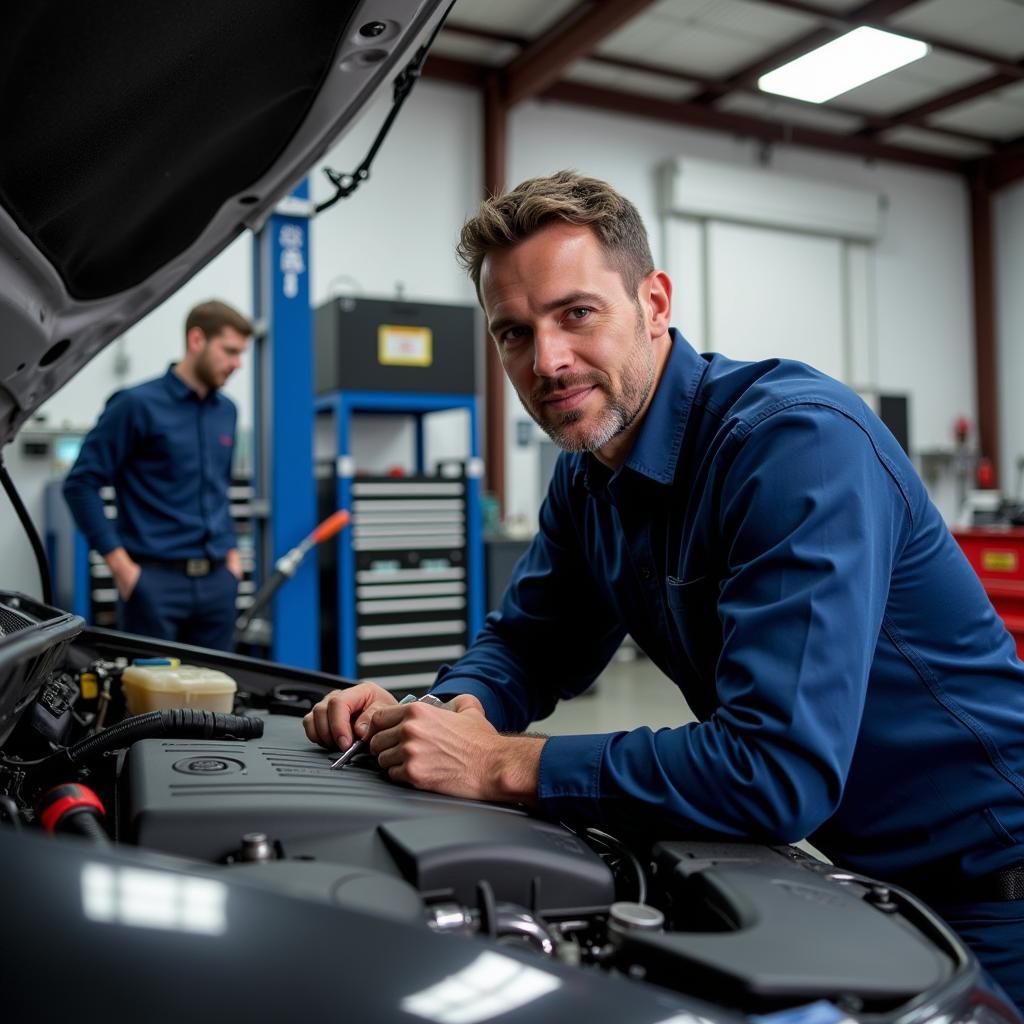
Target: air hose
(180,723)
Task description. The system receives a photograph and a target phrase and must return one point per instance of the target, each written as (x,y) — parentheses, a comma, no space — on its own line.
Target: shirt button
(645,573)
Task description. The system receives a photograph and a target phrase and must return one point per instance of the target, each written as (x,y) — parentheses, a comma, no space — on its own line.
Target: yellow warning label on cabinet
(999,561)
(404,346)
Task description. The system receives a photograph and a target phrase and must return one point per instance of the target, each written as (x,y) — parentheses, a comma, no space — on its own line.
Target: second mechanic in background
(166,446)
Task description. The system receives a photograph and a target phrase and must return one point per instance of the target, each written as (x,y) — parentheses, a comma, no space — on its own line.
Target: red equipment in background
(997,556)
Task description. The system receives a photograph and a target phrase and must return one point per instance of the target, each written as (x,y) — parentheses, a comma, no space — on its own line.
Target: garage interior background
(897,314)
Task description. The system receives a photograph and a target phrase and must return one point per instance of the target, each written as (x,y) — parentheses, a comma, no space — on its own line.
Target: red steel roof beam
(546,58)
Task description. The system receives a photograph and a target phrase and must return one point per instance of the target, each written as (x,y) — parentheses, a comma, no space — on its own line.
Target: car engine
(749,928)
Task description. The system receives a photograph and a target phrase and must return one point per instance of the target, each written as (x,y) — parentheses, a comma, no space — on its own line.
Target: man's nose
(552,353)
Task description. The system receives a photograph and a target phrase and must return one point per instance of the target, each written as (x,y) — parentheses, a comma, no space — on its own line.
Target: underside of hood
(139,139)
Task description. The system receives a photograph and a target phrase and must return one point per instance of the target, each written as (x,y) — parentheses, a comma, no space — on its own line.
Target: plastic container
(155,684)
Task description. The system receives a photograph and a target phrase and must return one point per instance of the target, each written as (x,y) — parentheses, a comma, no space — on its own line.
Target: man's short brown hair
(213,316)
(504,221)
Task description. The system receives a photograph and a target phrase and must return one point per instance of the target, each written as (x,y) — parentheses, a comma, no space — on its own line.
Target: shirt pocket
(693,611)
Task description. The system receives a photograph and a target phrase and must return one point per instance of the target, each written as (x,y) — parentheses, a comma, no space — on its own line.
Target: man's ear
(195,340)
(656,302)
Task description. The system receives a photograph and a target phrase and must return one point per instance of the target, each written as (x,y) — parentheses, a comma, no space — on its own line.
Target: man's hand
(124,569)
(233,563)
(459,754)
(342,716)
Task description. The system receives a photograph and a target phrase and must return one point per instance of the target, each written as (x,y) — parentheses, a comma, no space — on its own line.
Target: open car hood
(139,139)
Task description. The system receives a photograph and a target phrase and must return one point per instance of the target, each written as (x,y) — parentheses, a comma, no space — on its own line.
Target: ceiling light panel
(843,64)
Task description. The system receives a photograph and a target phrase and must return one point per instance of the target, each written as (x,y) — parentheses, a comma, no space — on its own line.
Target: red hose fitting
(57,804)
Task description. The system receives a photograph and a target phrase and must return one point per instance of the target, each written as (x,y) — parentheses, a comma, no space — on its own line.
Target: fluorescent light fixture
(843,64)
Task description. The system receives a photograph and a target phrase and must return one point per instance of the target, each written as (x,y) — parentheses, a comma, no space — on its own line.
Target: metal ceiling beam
(985,347)
(692,78)
(875,10)
(460,72)
(495,147)
(495,171)
(543,61)
(699,116)
(1007,166)
(849,21)
(949,99)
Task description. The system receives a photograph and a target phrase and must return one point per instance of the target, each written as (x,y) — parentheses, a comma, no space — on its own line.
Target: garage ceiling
(696,62)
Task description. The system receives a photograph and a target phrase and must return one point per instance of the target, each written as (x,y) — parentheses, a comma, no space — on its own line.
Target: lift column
(283,420)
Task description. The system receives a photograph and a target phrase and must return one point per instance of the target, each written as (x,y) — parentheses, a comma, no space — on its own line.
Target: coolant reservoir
(152,684)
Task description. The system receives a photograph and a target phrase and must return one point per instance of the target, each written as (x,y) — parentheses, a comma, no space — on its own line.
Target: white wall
(1009,240)
(402,224)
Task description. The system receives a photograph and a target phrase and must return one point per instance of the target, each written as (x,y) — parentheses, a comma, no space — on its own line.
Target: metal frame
(283,421)
(342,405)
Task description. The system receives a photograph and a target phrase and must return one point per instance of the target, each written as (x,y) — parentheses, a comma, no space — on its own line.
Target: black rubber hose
(182,723)
(33,536)
(85,823)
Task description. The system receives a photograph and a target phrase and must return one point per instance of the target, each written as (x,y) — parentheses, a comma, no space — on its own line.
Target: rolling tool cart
(402,590)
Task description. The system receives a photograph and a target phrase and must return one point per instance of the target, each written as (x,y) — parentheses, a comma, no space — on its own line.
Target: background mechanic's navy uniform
(168,454)
(771,548)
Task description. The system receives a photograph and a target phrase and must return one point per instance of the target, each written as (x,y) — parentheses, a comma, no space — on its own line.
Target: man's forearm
(516,769)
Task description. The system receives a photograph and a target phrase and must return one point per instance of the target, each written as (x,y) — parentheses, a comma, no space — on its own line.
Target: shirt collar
(660,439)
(656,451)
(180,390)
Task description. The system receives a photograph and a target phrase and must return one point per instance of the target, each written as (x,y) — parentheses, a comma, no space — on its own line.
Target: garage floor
(628,694)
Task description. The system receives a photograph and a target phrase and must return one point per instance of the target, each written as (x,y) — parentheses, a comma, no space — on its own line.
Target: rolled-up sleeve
(811,519)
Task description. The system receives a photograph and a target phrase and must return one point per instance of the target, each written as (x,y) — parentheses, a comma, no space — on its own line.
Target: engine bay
(750,928)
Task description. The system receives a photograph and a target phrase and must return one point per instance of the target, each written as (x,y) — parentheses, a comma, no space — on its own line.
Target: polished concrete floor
(628,694)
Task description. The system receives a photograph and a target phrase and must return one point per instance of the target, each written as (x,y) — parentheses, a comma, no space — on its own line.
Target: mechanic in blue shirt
(768,544)
(166,447)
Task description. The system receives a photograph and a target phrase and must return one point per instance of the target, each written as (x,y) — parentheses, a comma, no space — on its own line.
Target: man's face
(220,357)
(582,353)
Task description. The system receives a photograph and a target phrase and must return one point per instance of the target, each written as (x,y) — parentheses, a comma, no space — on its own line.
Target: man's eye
(578,313)
(512,335)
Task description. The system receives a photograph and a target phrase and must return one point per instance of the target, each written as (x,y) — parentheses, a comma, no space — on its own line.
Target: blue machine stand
(283,415)
(340,406)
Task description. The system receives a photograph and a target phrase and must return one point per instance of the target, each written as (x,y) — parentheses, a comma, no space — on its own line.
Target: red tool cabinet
(997,556)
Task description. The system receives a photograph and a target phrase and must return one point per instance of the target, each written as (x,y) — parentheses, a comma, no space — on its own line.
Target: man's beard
(621,407)
(205,372)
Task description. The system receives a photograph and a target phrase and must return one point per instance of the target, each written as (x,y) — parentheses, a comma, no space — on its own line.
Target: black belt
(186,566)
(998,887)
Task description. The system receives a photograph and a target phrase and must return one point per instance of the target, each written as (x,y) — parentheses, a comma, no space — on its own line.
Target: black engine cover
(198,798)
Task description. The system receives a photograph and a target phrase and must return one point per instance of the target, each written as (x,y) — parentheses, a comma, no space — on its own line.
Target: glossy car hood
(139,139)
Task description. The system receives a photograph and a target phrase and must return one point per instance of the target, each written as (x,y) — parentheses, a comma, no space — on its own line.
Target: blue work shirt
(770,547)
(167,453)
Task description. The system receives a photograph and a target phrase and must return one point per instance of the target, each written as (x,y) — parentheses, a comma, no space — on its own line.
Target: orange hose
(330,526)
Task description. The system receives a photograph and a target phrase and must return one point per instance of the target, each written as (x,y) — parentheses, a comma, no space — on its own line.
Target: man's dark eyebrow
(572,299)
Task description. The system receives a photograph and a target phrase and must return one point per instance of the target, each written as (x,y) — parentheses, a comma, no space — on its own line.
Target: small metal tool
(361,746)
